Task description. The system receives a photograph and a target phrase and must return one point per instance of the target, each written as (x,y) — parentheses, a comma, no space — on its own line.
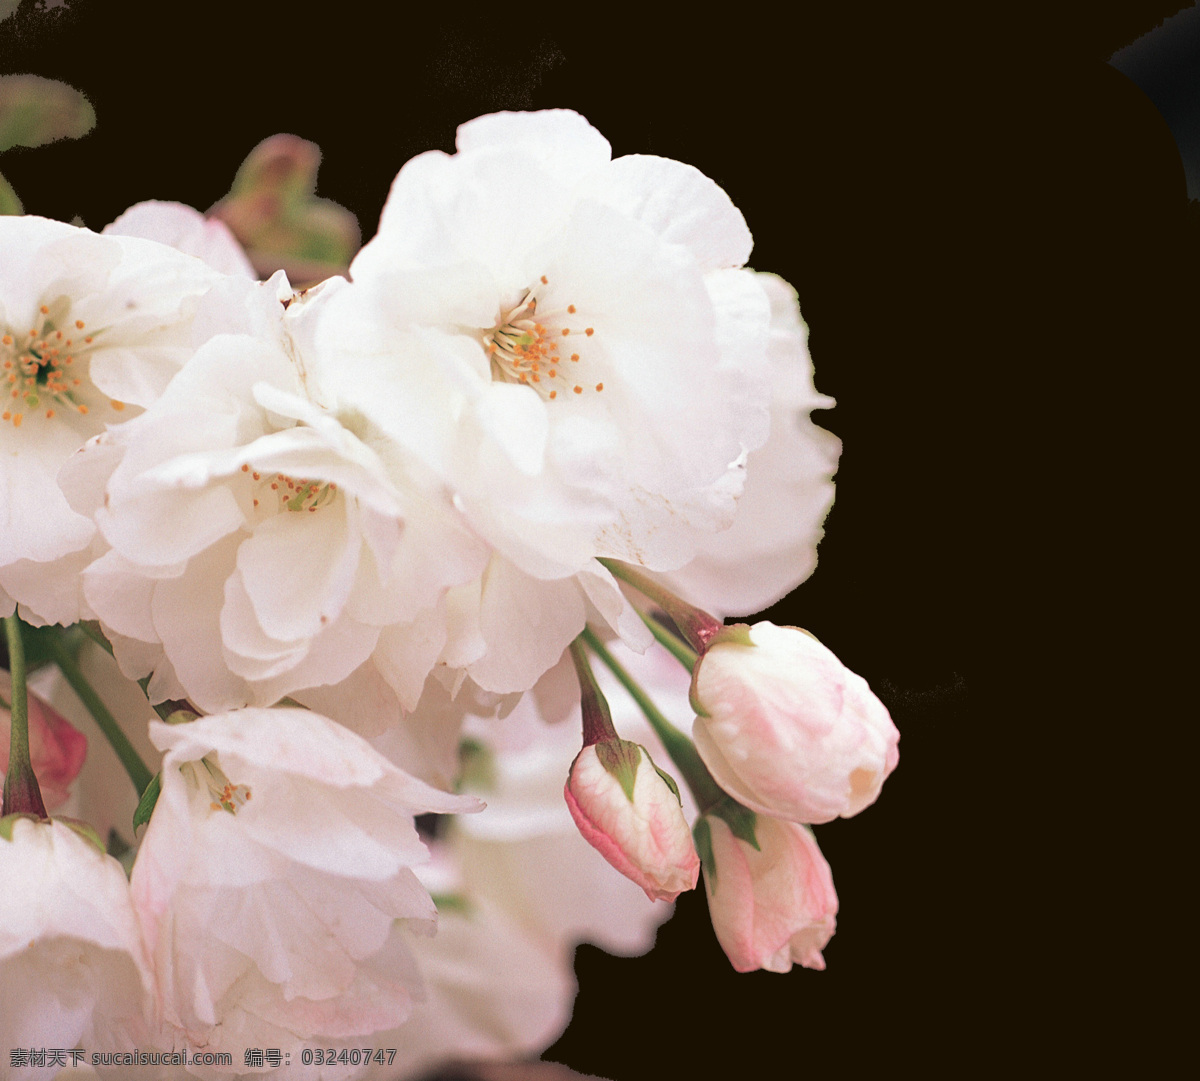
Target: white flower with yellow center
(91,329)
(275,879)
(260,546)
(569,342)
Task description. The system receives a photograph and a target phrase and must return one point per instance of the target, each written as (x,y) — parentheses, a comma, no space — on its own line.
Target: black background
(990,235)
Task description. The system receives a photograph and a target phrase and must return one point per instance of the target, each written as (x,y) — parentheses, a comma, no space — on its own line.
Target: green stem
(681,749)
(695,624)
(138,772)
(597,717)
(21,791)
(681,651)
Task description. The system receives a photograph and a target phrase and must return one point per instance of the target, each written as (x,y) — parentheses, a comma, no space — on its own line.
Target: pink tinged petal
(643,835)
(120,593)
(56,748)
(406,652)
(678,203)
(773,907)
(790,731)
(186,230)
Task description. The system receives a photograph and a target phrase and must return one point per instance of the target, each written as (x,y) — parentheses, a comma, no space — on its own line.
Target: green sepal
(145,807)
(620,758)
(180,716)
(740,820)
(733,634)
(702,835)
(85,830)
(452,902)
(669,781)
(6,823)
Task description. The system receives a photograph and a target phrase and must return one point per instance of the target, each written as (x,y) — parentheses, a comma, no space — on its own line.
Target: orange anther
(58,335)
(118,406)
(579,390)
(8,340)
(49,413)
(17,418)
(258,476)
(537,378)
(79,324)
(599,386)
(571,308)
(45,310)
(256,502)
(574,356)
(554,394)
(566,331)
(545,281)
(245,468)
(6,415)
(590,331)
(88,339)
(553,373)
(83,409)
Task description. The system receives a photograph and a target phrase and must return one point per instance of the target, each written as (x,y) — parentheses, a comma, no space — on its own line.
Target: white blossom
(91,330)
(569,342)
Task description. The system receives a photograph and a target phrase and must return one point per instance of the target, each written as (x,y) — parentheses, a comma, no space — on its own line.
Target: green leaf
(35,111)
(145,807)
(9,202)
(620,758)
(6,823)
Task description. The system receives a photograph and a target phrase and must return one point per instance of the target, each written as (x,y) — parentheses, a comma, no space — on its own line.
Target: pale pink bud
(56,749)
(626,809)
(773,906)
(787,729)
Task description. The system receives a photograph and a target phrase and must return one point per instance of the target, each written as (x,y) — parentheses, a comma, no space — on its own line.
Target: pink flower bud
(56,749)
(771,907)
(787,729)
(627,811)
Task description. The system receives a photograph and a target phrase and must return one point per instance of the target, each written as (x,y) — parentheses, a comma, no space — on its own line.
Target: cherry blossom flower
(72,962)
(787,729)
(771,906)
(627,811)
(259,546)
(91,329)
(569,342)
(272,875)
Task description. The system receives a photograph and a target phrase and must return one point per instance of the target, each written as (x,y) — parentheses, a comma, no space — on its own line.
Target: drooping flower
(91,330)
(787,729)
(259,545)
(568,341)
(72,961)
(773,905)
(272,875)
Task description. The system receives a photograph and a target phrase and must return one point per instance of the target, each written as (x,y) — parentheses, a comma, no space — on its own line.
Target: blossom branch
(696,625)
(679,747)
(21,791)
(680,650)
(138,772)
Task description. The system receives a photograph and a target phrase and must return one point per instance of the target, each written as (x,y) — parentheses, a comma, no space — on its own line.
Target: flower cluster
(359,543)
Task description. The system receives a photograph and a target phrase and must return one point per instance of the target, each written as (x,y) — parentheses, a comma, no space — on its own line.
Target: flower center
(291,493)
(540,348)
(38,377)
(206,774)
